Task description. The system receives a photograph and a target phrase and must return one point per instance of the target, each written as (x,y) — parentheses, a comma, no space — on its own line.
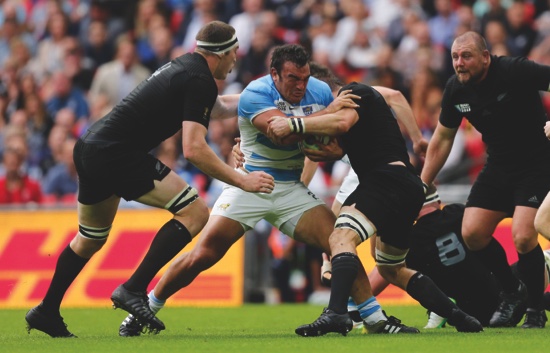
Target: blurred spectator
(64,95)
(10,31)
(149,19)
(401,25)
(51,49)
(356,16)
(97,46)
(104,12)
(77,67)
(66,118)
(56,138)
(39,126)
(321,42)
(254,63)
(443,24)
(61,180)
(416,50)
(520,32)
(245,23)
(13,9)
(490,10)
(495,34)
(161,43)
(200,13)
(16,187)
(117,78)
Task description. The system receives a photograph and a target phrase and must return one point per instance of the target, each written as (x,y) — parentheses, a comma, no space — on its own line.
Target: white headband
(219,48)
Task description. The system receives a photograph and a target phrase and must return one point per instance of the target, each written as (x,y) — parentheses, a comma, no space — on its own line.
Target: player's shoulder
(359,88)
(262,85)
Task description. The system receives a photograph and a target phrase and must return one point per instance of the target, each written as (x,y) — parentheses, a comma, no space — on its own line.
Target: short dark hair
(293,53)
(323,73)
(215,32)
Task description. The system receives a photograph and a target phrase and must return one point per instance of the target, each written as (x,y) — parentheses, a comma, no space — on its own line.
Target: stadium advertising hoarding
(31,241)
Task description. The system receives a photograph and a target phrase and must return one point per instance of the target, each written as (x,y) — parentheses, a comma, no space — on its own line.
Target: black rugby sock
(531,269)
(170,239)
(494,258)
(345,267)
(425,291)
(67,268)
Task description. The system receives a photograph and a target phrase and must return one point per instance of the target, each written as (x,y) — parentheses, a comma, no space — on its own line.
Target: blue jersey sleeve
(255,99)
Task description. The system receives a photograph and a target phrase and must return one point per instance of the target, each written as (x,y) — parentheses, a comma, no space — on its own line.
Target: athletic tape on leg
(93,233)
(357,223)
(389,260)
(181,200)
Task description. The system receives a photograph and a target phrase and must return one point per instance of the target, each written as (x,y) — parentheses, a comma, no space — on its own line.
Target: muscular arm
(438,152)
(197,151)
(405,117)
(225,107)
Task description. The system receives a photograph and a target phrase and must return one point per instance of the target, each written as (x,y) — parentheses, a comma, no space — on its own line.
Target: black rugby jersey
(506,108)
(375,139)
(183,89)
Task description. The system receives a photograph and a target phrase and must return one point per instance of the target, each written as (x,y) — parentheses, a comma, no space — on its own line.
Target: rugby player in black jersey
(500,97)
(113,162)
(386,202)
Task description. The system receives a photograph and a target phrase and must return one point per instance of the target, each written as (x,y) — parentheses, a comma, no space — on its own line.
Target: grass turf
(254,329)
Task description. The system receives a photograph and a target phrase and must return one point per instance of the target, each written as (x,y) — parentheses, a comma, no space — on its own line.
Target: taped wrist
(297,125)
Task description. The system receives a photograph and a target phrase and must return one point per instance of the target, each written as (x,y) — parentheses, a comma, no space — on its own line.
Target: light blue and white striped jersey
(284,163)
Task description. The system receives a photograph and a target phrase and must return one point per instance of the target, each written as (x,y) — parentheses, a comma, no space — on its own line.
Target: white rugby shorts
(287,201)
(349,184)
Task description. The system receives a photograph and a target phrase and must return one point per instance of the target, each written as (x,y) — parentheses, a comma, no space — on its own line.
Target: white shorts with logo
(349,184)
(286,202)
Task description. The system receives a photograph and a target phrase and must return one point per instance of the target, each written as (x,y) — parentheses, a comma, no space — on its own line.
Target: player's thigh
(219,234)
(480,223)
(181,199)
(542,219)
(315,226)
(98,215)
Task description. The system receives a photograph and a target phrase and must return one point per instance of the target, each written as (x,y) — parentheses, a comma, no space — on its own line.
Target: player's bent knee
(89,240)
(389,265)
(356,222)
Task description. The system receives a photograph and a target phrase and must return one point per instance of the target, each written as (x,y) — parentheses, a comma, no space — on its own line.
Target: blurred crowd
(65,63)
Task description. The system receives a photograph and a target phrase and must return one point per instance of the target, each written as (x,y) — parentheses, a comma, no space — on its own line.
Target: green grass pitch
(255,328)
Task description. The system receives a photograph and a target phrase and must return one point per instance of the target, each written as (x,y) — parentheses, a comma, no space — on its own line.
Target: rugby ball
(310,140)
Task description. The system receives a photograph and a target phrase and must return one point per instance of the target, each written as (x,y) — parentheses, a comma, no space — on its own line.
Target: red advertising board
(30,243)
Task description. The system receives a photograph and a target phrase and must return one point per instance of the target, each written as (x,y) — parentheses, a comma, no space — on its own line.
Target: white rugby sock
(154,303)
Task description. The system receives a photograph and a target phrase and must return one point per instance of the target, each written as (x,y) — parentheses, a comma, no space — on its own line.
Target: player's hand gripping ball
(310,141)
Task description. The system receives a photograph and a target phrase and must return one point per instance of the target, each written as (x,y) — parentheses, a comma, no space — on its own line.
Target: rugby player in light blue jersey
(287,91)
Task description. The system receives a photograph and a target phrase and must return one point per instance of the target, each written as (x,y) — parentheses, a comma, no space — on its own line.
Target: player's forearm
(225,107)
(436,156)
(406,118)
(204,158)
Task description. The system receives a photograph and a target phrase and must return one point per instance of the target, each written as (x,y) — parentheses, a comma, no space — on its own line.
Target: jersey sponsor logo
(463,108)
(533,199)
(281,105)
(224,206)
(307,110)
(205,113)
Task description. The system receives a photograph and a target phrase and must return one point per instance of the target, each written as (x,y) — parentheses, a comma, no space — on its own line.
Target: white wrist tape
(297,125)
